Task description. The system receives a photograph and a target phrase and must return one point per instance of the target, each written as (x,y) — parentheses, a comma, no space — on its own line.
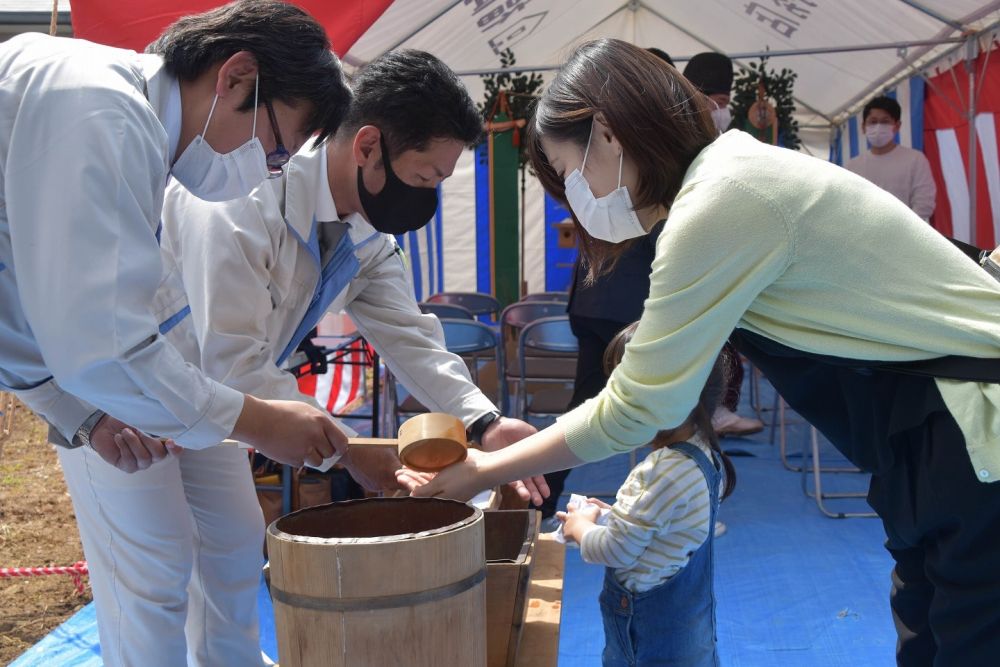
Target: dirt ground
(37,528)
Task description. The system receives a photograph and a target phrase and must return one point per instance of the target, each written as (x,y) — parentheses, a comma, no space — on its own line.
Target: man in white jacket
(244,282)
(88,136)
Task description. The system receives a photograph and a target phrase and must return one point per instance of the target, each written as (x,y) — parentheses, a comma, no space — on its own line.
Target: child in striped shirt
(657,604)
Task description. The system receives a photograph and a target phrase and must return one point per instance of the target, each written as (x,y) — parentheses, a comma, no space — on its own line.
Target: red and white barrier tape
(75,571)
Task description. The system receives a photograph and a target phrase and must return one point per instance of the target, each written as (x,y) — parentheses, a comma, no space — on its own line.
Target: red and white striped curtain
(341,384)
(946,144)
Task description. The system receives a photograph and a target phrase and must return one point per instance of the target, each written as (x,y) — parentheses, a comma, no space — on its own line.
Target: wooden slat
(540,638)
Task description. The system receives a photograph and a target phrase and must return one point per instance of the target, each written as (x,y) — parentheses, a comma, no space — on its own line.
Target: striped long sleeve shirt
(660,517)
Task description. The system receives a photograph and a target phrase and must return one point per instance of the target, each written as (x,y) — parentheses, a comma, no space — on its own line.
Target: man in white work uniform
(902,171)
(244,282)
(89,135)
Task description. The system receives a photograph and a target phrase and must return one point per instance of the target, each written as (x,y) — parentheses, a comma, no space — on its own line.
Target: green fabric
(506,221)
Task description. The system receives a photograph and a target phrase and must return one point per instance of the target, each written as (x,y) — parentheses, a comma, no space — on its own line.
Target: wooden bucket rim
(475,515)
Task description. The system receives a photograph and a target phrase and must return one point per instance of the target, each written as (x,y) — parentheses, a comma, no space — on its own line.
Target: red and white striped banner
(342,383)
(946,144)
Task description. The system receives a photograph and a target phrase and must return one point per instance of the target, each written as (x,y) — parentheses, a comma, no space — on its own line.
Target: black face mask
(398,208)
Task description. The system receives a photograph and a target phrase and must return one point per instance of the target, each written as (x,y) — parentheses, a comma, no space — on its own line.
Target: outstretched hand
(504,432)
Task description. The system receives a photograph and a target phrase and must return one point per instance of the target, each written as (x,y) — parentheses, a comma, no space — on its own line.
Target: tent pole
(970,66)
(742,56)
(919,6)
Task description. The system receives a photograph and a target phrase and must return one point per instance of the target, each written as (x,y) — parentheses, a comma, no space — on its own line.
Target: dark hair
(413,98)
(659,118)
(885,103)
(701,417)
(662,55)
(294,60)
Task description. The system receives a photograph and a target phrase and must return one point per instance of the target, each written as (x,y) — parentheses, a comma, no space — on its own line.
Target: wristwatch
(991,267)
(478,428)
(82,436)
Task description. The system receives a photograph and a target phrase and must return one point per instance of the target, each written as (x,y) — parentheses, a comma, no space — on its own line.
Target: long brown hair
(661,121)
(701,417)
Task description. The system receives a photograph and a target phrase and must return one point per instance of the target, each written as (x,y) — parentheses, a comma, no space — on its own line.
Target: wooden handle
(373,442)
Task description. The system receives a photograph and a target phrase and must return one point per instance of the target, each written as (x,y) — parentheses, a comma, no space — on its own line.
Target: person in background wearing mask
(251,277)
(598,309)
(712,74)
(894,355)
(903,171)
(91,135)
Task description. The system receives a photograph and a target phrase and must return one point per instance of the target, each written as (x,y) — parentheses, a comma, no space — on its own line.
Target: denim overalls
(674,623)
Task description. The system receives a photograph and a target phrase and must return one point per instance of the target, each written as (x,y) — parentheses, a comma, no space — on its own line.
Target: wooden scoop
(426,443)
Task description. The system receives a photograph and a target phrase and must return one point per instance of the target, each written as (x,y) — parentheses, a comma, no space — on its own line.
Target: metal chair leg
(818,494)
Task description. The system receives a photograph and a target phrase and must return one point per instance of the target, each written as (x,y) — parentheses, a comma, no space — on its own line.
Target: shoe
(720,529)
(726,422)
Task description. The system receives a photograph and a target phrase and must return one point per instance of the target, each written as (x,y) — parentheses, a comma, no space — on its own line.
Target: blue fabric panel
(918,89)
(483,250)
(852,135)
(558,261)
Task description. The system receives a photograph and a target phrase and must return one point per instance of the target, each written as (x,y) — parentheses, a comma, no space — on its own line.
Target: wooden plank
(540,638)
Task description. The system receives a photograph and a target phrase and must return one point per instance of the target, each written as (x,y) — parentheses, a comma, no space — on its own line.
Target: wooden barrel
(380,582)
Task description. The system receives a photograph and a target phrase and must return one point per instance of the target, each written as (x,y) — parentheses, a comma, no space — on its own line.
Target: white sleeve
(924,190)
(410,342)
(83,185)
(226,252)
(64,412)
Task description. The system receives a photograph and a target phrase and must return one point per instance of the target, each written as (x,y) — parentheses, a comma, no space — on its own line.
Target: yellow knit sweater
(809,255)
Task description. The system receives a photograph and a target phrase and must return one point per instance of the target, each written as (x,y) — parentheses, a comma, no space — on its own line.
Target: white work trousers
(175,556)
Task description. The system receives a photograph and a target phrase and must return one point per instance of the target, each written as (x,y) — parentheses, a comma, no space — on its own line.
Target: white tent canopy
(469,34)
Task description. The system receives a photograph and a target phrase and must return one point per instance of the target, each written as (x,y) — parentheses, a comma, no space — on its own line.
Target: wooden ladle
(426,443)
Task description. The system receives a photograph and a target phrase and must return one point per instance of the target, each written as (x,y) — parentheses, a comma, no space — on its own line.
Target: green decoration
(508,103)
(753,111)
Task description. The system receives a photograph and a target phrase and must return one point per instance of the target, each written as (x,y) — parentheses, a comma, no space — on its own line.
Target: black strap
(970,369)
(381,602)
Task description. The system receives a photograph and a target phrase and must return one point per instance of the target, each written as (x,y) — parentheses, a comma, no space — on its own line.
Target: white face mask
(216,176)
(722,118)
(610,218)
(879,135)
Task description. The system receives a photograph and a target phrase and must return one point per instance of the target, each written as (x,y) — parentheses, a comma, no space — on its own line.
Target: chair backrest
(476,302)
(547,296)
(466,336)
(546,351)
(548,334)
(449,310)
(518,315)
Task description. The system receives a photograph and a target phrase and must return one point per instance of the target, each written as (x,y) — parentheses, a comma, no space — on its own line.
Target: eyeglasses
(279,157)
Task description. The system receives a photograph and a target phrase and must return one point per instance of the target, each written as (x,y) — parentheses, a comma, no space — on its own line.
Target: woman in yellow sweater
(871,325)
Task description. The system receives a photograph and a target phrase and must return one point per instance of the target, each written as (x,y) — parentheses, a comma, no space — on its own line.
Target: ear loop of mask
(211,110)
(586,152)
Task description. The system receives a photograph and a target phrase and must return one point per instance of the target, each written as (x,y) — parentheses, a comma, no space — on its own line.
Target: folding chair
(478,345)
(818,493)
(446,310)
(512,320)
(546,296)
(548,337)
(476,302)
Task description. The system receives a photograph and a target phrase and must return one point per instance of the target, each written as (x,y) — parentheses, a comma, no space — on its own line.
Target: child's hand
(600,503)
(577,521)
